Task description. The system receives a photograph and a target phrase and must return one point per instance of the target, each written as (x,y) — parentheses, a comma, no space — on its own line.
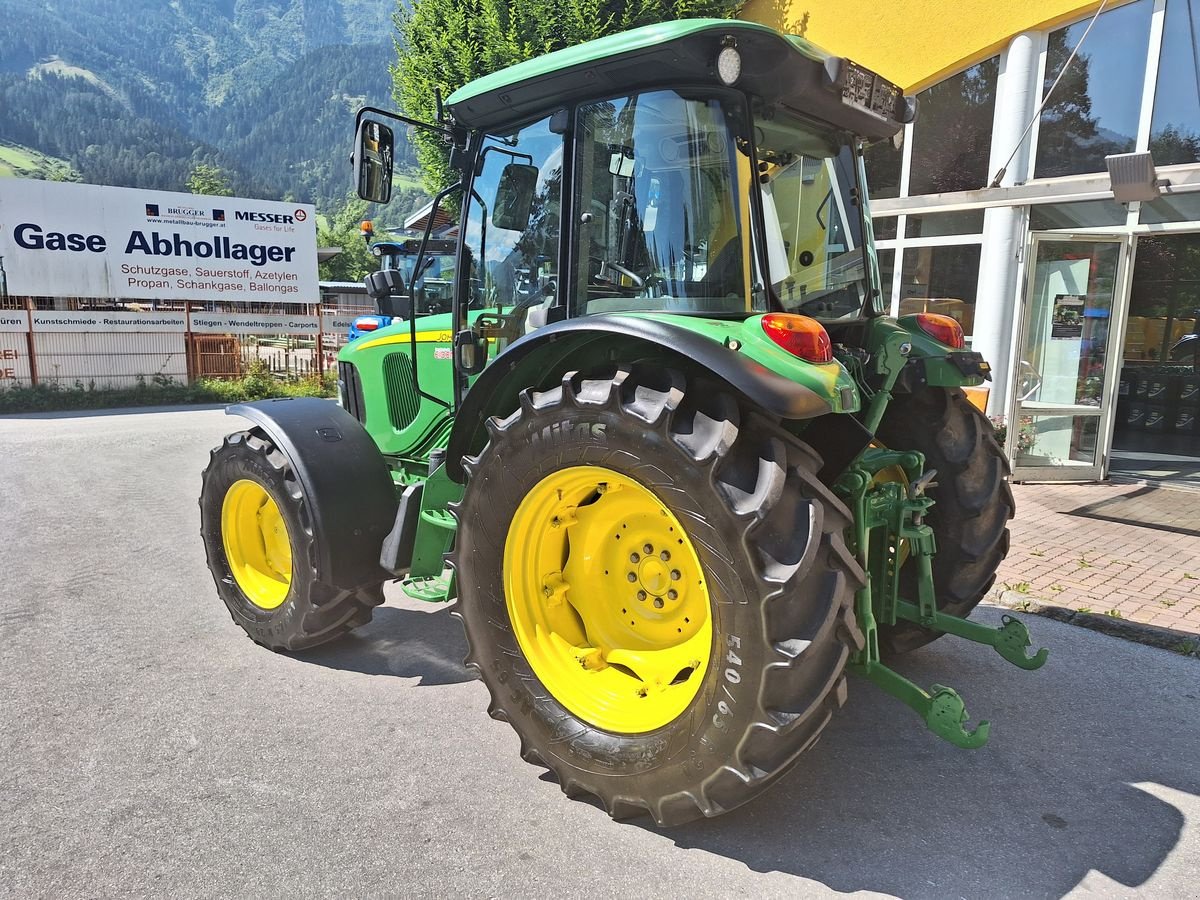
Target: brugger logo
(152,210)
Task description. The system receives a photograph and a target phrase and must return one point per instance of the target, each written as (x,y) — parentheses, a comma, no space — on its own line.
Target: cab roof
(775,67)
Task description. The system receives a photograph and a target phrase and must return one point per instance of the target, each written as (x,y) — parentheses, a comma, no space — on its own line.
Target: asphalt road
(147,747)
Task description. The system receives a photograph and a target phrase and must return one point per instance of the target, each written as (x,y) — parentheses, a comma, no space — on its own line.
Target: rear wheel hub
(608,600)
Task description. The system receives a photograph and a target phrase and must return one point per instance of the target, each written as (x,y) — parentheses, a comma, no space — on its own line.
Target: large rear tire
(655,590)
(973,502)
(259,540)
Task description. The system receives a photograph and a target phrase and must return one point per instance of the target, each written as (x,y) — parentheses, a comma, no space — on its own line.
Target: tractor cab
(700,168)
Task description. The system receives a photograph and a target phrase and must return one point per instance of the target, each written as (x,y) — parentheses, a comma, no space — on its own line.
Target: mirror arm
(494,149)
(454,136)
(412,290)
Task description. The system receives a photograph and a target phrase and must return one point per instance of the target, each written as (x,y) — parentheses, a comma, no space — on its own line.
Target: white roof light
(729,65)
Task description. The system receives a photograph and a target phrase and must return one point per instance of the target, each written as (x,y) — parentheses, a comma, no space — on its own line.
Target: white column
(996,320)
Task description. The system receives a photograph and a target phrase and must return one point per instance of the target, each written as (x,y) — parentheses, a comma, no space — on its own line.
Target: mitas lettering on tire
(655,590)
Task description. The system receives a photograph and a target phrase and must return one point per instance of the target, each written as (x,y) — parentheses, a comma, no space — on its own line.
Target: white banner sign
(338,323)
(14,359)
(109,321)
(252,323)
(79,240)
(13,320)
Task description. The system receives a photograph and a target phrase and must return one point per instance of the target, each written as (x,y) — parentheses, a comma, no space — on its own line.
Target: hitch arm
(941,709)
(1010,640)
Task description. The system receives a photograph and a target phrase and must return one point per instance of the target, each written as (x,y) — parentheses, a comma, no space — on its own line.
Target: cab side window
(512,226)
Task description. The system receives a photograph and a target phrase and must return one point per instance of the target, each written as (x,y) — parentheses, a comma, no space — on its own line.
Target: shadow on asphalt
(1065,788)
(882,805)
(404,643)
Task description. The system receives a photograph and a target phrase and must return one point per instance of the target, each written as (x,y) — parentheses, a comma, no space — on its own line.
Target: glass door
(1069,357)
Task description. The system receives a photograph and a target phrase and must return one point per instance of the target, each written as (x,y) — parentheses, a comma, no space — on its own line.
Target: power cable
(1037,113)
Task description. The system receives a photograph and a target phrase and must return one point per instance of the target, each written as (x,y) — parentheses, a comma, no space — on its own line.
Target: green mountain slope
(136,92)
(21,162)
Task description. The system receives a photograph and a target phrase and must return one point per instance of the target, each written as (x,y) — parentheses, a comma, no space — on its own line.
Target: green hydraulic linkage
(886,492)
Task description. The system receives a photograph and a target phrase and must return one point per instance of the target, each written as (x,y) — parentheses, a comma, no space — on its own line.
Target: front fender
(538,359)
(347,485)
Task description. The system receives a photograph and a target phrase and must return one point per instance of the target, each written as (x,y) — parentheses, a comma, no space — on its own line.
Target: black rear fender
(539,360)
(346,482)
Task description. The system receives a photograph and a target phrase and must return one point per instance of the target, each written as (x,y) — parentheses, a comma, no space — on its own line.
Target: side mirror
(470,350)
(384,283)
(620,161)
(373,154)
(514,197)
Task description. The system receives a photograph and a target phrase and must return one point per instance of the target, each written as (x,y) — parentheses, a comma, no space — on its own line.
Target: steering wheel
(637,280)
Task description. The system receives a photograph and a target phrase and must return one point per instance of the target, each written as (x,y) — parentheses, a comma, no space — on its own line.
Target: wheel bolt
(675,576)
(641,595)
(632,577)
(633,557)
(658,602)
(664,556)
(672,594)
(649,548)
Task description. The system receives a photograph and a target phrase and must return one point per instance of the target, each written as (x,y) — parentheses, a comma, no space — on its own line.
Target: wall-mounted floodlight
(1133,176)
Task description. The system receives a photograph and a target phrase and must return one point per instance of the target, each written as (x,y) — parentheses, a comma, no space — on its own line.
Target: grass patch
(17,161)
(161,391)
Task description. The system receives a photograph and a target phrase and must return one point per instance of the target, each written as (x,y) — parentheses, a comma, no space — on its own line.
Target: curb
(1151,635)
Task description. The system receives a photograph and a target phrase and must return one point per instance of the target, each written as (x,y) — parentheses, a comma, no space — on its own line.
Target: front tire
(258,538)
(973,503)
(679,681)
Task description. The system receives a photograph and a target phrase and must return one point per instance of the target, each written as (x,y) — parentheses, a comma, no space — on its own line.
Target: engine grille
(351,391)
(402,399)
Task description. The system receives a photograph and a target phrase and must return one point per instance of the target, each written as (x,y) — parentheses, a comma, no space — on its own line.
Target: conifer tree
(443,44)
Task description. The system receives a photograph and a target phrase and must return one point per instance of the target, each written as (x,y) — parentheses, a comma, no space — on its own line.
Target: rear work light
(799,336)
(942,328)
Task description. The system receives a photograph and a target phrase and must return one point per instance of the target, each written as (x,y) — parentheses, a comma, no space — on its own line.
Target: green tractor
(666,451)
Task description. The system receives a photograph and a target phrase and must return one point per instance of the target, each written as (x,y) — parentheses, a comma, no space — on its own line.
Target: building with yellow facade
(998,208)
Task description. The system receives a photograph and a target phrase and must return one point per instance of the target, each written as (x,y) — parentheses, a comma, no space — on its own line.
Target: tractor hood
(777,68)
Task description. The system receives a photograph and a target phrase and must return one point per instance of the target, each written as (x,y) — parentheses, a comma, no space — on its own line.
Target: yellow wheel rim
(608,599)
(256,544)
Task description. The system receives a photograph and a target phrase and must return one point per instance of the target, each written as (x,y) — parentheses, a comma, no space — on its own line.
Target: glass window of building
(941,280)
(885,228)
(1175,127)
(1094,110)
(939,224)
(1086,214)
(1172,208)
(887,266)
(883,161)
(952,137)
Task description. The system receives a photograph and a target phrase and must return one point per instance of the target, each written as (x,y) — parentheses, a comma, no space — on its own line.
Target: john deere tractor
(678,469)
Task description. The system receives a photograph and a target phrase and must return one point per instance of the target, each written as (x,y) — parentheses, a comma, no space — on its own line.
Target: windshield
(814,235)
(662,189)
(439,266)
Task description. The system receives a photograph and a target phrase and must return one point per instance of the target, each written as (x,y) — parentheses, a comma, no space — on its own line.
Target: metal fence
(111,348)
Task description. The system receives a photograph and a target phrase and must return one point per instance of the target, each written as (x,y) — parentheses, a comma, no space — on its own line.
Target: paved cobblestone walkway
(1063,555)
